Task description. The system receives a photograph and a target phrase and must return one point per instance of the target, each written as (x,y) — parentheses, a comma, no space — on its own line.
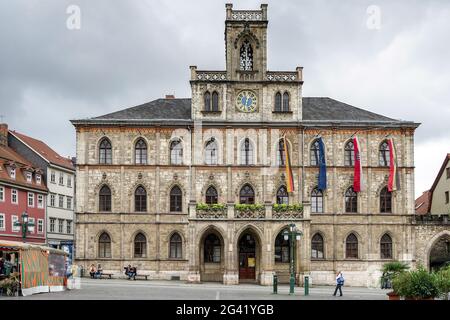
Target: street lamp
(24,225)
(292,234)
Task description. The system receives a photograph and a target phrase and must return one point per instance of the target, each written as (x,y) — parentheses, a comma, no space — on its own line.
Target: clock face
(246,101)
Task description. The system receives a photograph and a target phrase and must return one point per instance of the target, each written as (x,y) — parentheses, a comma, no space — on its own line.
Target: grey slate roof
(315,109)
(160,109)
(329,109)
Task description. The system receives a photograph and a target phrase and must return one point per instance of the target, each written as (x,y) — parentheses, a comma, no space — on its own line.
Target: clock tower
(246,91)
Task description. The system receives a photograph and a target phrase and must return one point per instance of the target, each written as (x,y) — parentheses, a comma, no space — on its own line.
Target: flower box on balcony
(216,210)
(288,211)
(249,211)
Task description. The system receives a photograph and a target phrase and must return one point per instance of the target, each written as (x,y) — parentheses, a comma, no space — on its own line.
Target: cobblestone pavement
(118,289)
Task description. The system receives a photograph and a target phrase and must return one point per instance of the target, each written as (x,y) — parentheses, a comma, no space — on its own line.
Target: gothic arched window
(176,198)
(317,247)
(104,246)
(385,159)
(247,195)
(211,152)
(212,249)
(176,245)
(104,203)
(282,195)
(351,200)
(247,152)
(105,152)
(140,246)
(140,152)
(246,56)
(140,199)
(314,153)
(278,102)
(176,152)
(386,247)
(385,200)
(282,248)
(285,102)
(211,195)
(207,99)
(351,247)
(215,101)
(316,200)
(349,154)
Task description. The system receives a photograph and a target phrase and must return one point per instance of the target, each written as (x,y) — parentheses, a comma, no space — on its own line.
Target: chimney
(3,134)
(170,96)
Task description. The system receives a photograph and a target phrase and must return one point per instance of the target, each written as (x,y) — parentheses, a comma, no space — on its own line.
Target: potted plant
(416,285)
(390,271)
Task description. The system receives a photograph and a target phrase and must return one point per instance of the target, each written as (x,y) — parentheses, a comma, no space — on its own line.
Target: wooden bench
(141,276)
(109,275)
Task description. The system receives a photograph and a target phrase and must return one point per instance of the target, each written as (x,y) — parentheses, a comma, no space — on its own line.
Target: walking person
(339,283)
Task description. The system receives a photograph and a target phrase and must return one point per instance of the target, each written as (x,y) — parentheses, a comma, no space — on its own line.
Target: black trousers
(338,286)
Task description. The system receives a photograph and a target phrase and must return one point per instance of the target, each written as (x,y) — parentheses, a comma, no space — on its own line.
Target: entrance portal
(247,257)
(440,253)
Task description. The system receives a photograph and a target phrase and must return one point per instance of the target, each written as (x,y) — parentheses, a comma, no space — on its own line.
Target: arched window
(140,152)
(140,246)
(207,99)
(281,155)
(211,152)
(176,198)
(349,154)
(247,152)
(176,152)
(176,245)
(105,152)
(385,159)
(317,247)
(285,102)
(105,199)
(104,246)
(385,200)
(351,247)
(212,249)
(351,200)
(282,195)
(278,102)
(314,153)
(246,56)
(282,248)
(316,200)
(211,195)
(247,195)
(386,247)
(215,101)
(140,199)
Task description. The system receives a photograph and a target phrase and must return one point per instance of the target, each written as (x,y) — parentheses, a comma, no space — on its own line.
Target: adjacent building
(193,188)
(59,176)
(22,190)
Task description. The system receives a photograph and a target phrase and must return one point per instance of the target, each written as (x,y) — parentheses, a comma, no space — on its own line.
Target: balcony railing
(435,219)
(252,211)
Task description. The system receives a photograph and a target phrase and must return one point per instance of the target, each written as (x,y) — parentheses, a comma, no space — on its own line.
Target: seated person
(92,271)
(133,273)
(99,271)
(128,271)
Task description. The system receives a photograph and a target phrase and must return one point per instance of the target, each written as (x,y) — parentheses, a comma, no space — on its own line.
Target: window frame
(286,101)
(278,102)
(317,194)
(384,159)
(142,246)
(386,247)
(247,153)
(250,198)
(176,200)
(385,201)
(314,153)
(105,151)
(12,173)
(69,226)
(15,194)
(32,229)
(282,252)
(176,247)
(60,201)
(60,225)
(14,218)
(104,246)
(105,199)
(214,257)
(349,154)
(140,200)
(52,200)
(40,201)
(211,197)
(176,152)
(40,226)
(321,244)
(213,156)
(30,203)
(29,177)
(351,195)
(354,248)
(282,196)
(52,225)
(140,152)
(2,194)
(3,222)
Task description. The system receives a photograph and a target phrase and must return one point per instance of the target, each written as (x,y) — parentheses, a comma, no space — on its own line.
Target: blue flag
(322,185)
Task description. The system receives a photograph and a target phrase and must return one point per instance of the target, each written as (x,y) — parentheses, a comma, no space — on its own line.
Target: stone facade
(229,127)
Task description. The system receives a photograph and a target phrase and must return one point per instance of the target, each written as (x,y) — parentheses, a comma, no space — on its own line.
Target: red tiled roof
(423,203)
(44,150)
(8,155)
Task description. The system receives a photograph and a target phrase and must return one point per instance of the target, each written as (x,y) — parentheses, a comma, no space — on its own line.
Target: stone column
(231,274)
(192,250)
(267,256)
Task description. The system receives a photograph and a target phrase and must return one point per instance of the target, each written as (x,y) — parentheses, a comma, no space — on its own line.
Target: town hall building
(196,188)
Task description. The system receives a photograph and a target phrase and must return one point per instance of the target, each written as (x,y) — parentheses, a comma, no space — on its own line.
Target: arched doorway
(212,260)
(248,257)
(440,253)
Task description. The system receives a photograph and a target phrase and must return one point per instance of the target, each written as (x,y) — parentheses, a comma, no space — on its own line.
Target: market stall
(38,268)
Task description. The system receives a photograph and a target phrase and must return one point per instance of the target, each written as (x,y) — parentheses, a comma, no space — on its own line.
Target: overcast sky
(130,52)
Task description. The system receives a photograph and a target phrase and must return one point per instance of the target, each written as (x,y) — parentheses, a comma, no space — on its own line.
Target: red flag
(394,181)
(357,175)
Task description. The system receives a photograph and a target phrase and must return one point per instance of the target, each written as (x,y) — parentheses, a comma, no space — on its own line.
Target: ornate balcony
(215,211)
(287,211)
(249,211)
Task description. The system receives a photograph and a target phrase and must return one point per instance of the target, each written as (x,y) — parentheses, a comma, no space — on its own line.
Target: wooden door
(247,257)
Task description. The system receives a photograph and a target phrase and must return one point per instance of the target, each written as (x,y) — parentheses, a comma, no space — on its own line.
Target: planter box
(393,296)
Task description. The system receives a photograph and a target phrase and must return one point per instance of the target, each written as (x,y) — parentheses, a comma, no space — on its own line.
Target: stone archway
(439,252)
(249,256)
(212,256)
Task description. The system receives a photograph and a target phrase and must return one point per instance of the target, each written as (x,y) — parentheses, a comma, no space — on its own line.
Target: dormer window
(29,177)
(12,173)
(38,179)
